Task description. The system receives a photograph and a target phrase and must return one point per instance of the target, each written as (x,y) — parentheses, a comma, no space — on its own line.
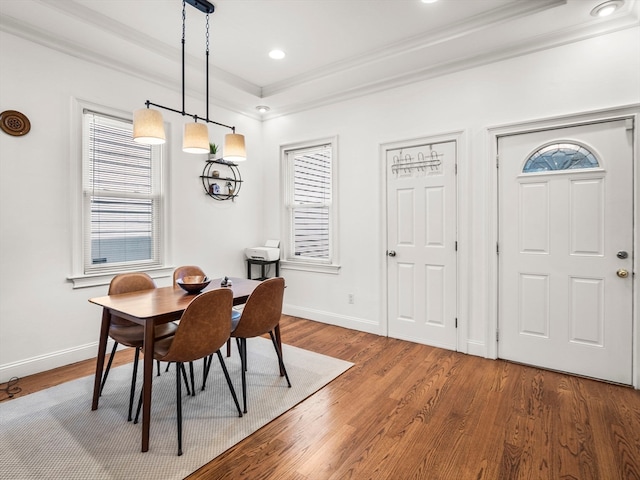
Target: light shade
(234,150)
(148,127)
(196,138)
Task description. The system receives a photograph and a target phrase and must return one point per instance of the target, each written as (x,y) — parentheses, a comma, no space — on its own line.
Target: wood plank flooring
(408,411)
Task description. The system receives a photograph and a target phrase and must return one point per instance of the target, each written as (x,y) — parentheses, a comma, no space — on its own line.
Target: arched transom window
(560,156)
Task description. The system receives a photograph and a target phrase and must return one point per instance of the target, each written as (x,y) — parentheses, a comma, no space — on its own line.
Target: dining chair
(125,332)
(261,315)
(185,271)
(181,272)
(203,328)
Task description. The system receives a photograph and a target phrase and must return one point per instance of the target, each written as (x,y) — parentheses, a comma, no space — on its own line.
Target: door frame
(630,113)
(462,227)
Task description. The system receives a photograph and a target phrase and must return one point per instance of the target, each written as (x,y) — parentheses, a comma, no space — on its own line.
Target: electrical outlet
(351,300)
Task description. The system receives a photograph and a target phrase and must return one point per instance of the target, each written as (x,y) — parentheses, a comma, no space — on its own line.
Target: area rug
(55,434)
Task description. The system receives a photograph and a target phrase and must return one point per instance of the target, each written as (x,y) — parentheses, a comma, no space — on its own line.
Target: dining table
(150,308)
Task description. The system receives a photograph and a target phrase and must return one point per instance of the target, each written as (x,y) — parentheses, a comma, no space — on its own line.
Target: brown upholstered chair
(185,271)
(182,272)
(204,327)
(261,315)
(178,273)
(127,333)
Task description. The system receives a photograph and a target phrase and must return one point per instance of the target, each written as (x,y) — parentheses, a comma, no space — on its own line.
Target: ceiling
(335,49)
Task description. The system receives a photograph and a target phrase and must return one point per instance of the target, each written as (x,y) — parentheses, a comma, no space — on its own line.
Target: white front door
(565,249)
(421,242)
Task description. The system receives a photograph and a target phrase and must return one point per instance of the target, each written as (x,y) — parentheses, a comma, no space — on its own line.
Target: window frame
(290,261)
(82,276)
(562,144)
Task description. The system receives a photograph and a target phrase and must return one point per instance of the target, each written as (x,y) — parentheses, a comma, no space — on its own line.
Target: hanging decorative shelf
(221,180)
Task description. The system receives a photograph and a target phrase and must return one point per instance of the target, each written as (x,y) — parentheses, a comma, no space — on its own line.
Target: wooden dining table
(150,308)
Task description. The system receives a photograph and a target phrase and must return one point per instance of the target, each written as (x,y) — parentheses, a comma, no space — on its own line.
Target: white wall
(594,74)
(44,322)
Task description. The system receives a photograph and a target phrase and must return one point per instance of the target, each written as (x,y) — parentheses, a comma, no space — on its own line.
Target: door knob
(391,253)
(622,273)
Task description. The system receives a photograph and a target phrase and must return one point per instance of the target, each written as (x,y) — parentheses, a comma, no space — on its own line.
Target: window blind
(120,196)
(311,203)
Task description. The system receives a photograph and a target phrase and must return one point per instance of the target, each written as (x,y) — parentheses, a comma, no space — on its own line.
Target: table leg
(102,349)
(149,334)
(279,342)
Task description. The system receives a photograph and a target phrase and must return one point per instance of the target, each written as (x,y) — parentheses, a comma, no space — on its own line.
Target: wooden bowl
(193,283)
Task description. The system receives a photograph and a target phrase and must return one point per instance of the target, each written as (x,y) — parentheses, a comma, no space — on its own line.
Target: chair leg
(180,368)
(135,420)
(243,366)
(239,342)
(226,375)
(132,395)
(106,372)
(229,347)
(205,370)
(279,353)
(167,369)
(179,406)
(193,383)
(158,365)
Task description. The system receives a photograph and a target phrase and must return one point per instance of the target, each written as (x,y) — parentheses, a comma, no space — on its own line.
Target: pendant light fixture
(148,126)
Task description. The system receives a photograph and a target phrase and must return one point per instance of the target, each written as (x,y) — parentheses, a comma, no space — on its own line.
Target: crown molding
(463,63)
(27,32)
(96,20)
(324,85)
(419,42)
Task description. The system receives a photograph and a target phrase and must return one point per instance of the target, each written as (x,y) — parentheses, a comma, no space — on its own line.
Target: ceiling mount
(202,5)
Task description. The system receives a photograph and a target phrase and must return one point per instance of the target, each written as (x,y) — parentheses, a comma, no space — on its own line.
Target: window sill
(84,281)
(310,267)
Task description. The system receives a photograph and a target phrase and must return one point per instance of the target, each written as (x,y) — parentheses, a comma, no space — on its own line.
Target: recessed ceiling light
(276,54)
(429,1)
(262,108)
(607,8)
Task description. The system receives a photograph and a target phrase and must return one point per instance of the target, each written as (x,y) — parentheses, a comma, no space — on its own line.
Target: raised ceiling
(335,49)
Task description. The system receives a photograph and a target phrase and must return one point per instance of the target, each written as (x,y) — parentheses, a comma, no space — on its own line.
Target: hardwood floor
(408,411)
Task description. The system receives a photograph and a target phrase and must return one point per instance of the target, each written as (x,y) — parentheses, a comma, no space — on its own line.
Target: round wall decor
(14,123)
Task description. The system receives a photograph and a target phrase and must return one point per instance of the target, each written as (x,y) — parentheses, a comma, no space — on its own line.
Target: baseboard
(478,349)
(42,363)
(353,323)
(425,342)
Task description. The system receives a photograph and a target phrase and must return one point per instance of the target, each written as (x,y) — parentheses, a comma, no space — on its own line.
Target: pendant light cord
(207,70)
(184,16)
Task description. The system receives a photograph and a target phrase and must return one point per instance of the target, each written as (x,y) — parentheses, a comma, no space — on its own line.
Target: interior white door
(421,242)
(565,243)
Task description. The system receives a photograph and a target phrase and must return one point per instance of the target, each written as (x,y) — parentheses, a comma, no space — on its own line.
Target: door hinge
(497,336)
(456,169)
(456,246)
(497,161)
(456,322)
(497,248)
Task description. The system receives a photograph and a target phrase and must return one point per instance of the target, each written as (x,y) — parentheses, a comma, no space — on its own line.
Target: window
(560,156)
(310,205)
(121,197)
